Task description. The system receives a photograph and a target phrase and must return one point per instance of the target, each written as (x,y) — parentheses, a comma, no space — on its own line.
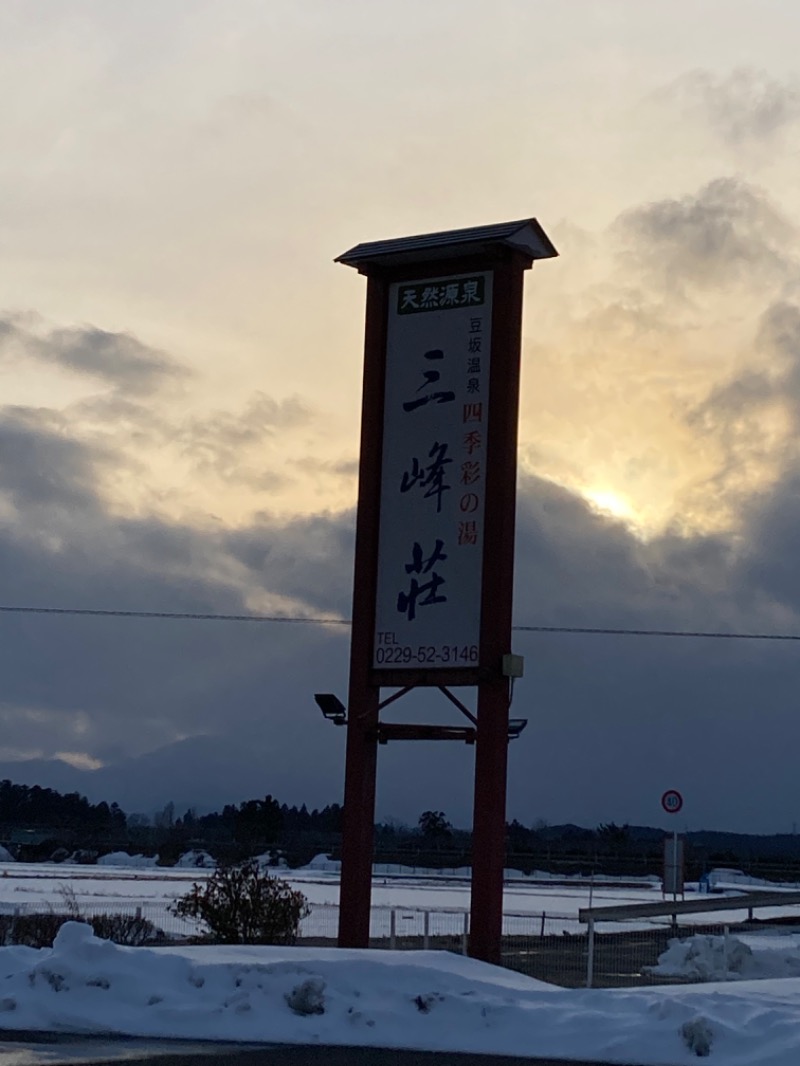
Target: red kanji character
(468,532)
(472,441)
(470,472)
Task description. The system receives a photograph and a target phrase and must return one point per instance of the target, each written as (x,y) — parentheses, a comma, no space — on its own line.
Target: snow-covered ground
(438,902)
(411,999)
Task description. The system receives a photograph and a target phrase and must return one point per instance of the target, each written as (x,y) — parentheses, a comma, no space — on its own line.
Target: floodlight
(515,727)
(332,707)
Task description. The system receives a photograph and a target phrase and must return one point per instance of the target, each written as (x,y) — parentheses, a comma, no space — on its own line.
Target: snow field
(403,904)
(424,1000)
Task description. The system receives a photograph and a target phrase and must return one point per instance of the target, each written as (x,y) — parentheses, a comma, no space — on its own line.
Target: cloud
(117,359)
(675,370)
(746,106)
(662,375)
(727,234)
(223,441)
(41,465)
(755,415)
(241,694)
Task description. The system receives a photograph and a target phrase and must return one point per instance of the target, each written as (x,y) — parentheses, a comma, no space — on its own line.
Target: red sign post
(435,527)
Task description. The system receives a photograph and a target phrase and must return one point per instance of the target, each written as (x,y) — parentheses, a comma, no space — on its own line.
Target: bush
(241,904)
(31,930)
(129,929)
(40,930)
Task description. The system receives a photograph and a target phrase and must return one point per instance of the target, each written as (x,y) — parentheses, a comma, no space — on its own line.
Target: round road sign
(672,801)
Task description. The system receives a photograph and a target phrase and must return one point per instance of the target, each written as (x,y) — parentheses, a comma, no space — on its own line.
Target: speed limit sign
(672,801)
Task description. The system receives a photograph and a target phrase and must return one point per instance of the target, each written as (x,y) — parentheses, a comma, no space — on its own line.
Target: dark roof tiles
(525,235)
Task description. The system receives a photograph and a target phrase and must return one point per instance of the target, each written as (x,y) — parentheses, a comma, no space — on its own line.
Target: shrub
(241,904)
(31,930)
(39,930)
(129,929)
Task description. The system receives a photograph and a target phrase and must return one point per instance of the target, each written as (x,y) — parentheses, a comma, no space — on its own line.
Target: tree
(242,904)
(258,821)
(434,826)
(165,819)
(617,838)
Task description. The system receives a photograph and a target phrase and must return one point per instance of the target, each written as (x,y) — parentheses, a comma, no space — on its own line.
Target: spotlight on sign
(332,707)
(515,727)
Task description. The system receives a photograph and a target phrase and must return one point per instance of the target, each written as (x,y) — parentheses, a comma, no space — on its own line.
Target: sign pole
(672,803)
(358,820)
(491,748)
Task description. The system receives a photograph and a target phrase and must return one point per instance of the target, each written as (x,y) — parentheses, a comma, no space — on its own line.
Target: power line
(175,615)
(193,616)
(706,634)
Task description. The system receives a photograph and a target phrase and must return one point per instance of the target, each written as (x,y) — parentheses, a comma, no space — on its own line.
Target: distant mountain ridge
(207,772)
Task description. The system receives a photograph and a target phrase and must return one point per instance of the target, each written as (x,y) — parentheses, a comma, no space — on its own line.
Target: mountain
(203,772)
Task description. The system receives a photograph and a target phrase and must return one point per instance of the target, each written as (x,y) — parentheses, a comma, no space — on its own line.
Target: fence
(556,948)
(638,934)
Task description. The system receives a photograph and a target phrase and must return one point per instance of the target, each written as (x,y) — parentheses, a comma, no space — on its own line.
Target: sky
(180,366)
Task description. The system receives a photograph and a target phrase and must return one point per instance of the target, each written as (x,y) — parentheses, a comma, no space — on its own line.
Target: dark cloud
(41,465)
(307,559)
(743,107)
(219,442)
(118,359)
(613,720)
(726,234)
(755,415)
(769,557)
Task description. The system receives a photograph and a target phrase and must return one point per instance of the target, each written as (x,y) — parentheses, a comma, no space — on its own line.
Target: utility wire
(175,615)
(597,631)
(312,620)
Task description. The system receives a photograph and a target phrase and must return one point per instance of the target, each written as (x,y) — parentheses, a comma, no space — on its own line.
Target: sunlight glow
(611,503)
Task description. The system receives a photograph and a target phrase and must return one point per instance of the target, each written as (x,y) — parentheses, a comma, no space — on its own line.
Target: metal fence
(556,948)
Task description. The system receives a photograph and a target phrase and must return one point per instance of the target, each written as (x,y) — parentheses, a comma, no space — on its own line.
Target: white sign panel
(433,473)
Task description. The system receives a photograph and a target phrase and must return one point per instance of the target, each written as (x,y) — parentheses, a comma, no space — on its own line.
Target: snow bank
(270,860)
(5,855)
(324,862)
(122,858)
(719,958)
(721,878)
(196,859)
(421,1000)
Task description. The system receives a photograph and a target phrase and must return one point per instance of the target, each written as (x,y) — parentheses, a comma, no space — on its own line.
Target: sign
(672,801)
(433,473)
(434,555)
(673,882)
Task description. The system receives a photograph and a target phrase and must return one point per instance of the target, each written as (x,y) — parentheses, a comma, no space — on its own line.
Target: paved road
(33,1049)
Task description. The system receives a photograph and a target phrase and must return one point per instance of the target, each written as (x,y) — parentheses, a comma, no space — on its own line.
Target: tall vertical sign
(433,474)
(435,522)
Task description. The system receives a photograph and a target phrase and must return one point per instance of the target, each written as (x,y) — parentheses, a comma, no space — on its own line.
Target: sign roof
(525,236)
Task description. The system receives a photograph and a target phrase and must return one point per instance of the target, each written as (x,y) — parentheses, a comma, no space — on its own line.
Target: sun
(611,503)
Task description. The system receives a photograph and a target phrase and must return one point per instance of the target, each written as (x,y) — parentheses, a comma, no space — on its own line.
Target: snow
(122,858)
(196,860)
(107,888)
(731,958)
(421,1000)
(5,855)
(728,879)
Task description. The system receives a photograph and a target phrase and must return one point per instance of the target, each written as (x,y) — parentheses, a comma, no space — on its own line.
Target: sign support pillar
(491,748)
(489,823)
(358,821)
